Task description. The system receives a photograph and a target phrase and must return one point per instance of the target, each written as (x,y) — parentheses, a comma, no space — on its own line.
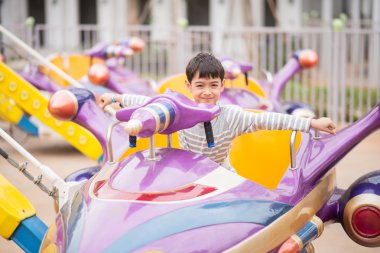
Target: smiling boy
(205,81)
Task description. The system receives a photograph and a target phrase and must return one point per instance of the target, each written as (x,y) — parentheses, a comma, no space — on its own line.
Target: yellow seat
(175,83)
(263,156)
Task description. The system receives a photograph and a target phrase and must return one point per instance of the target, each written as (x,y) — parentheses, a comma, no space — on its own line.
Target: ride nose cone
(63,105)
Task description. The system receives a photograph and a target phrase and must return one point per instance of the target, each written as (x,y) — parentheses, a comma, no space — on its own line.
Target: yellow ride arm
(33,102)
(14,208)
(9,111)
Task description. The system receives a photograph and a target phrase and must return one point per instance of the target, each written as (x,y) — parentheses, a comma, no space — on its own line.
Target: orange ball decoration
(63,105)
(308,58)
(98,74)
(136,44)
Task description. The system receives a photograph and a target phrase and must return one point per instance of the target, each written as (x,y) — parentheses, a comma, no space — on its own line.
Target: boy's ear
(223,82)
(187,83)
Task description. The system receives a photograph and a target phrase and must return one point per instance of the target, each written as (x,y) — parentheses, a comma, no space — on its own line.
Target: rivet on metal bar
(53,192)
(23,166)
(38,180)
(293,165)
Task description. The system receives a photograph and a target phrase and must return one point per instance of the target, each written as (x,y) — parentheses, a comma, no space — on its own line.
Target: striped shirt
(232,121)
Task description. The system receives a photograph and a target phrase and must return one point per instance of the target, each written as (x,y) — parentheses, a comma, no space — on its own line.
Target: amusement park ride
(171,200)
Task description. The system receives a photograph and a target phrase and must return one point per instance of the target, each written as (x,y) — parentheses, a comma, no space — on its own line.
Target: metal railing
(344,85)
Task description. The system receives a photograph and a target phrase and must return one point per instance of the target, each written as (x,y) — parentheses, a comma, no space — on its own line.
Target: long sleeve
(132,100)
(242,121)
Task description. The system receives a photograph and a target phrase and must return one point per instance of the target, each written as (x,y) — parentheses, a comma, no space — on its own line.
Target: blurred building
(111,17)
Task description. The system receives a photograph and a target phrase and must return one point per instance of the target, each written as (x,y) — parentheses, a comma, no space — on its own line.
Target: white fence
(344,85)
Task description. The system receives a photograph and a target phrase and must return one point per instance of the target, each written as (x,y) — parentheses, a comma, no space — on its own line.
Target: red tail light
(366,221)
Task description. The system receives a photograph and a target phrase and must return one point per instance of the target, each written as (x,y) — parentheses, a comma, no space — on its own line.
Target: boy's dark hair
(207,66)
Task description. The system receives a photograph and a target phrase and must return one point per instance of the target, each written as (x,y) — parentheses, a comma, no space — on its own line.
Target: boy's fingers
(332,127)
(331,130)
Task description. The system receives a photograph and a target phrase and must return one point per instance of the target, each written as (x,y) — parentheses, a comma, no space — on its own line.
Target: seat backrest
(263,156)
(175,83)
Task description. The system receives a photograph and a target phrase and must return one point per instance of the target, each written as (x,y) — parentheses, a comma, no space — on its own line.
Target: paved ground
(65,159)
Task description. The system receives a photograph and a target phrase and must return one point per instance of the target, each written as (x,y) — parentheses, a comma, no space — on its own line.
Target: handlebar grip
(209,134)
(132,141)
(117,51)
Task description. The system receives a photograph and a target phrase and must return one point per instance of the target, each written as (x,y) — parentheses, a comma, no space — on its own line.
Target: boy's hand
(323,124)
(106,99)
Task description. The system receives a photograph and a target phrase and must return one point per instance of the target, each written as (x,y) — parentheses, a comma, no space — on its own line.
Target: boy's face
(205,90)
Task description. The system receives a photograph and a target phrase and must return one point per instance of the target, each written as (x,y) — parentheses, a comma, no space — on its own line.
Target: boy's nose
(207,92)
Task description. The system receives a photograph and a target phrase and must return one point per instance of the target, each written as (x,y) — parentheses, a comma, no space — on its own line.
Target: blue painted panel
(29,234)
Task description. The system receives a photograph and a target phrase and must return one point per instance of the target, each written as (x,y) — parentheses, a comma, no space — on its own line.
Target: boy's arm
(242,121)
(280,121)
(124,100)
(245,122)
